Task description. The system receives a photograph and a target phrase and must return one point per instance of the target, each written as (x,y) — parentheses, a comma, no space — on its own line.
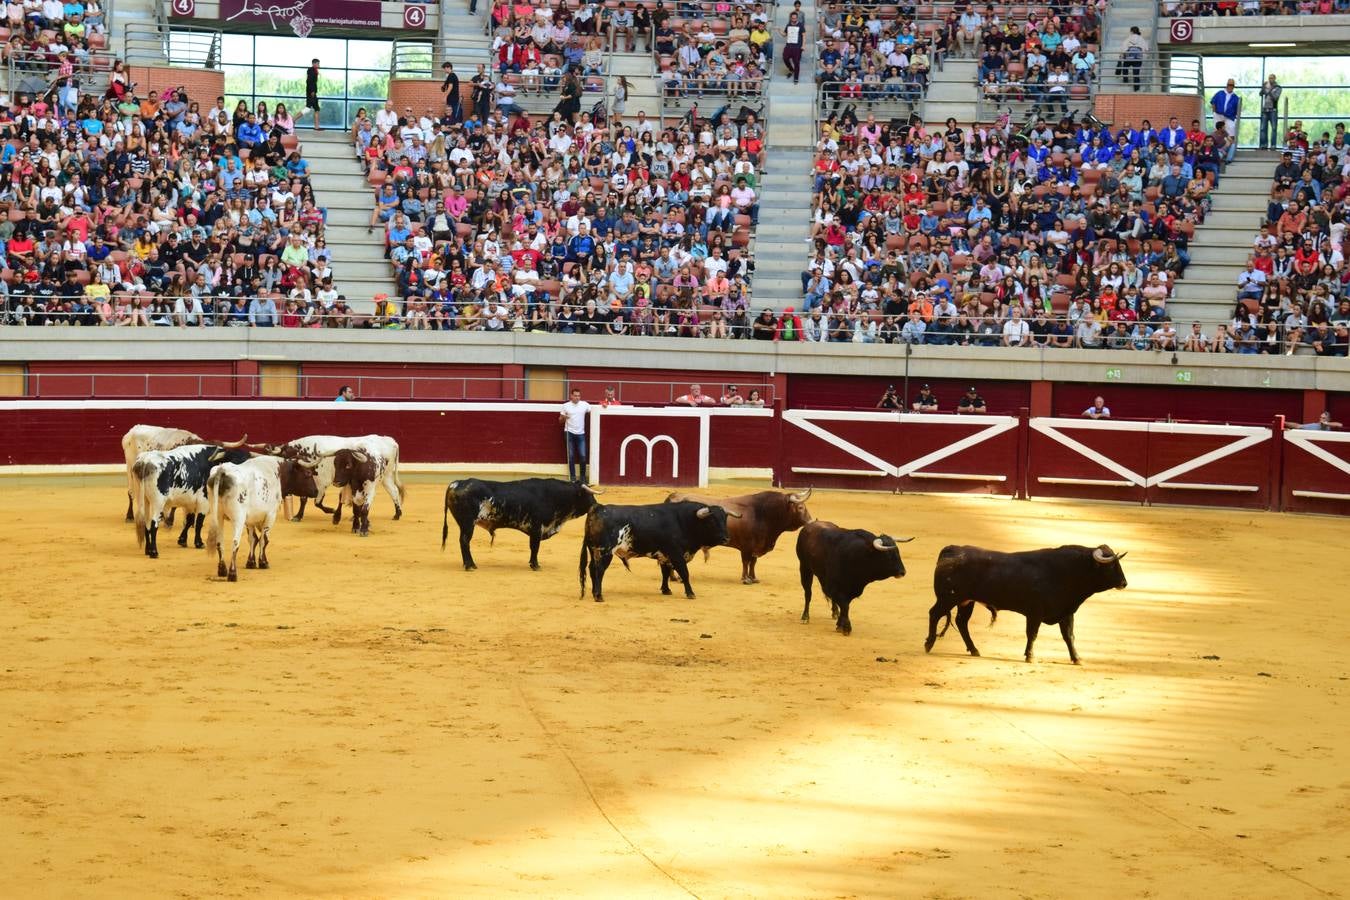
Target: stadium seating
(173,215)
(980,235)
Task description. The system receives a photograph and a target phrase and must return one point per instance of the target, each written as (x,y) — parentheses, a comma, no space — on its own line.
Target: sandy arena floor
(367,719)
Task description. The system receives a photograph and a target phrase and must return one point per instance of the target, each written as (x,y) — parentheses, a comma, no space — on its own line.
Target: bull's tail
(143,475)
(445,520)
(707,553)
(581,570)
(947,623)
(213,504)
(993,614)
(398,482)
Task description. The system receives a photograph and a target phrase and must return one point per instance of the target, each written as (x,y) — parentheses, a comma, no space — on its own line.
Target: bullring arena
(368,719)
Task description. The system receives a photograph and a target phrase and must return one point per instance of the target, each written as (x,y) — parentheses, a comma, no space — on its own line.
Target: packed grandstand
(133,207)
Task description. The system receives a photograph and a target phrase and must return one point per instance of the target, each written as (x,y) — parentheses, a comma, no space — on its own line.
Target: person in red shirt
(1123,313)
(1195,134)
(1264,262)
(1307,261)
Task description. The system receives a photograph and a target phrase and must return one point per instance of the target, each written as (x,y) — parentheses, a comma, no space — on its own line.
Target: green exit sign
(1183,376)
(1112,374)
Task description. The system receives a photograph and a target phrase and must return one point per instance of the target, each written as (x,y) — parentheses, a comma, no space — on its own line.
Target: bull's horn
(1120,556)
(704,512)
(734,515)
(882,546)
(360,457)
(596,491)
(308,464)
(802,497)
(1103,555)
(234,445)
(217,456)
(902,540)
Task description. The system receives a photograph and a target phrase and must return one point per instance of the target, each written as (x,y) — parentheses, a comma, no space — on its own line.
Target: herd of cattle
(243,485)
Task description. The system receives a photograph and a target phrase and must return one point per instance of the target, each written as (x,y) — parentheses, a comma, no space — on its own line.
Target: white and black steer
(670,533)
(144,438)
(247,495)
(175,479)
(322,448)
(536,506)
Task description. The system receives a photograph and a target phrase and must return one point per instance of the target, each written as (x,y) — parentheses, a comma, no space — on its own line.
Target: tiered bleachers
(982,236)
(167,214)
(1191,8)
(1292,296)
(581,226)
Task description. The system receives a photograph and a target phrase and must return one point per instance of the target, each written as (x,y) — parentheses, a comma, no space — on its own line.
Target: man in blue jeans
(573,420)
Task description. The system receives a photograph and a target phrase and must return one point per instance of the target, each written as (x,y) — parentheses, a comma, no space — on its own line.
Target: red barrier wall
(858,392)
(651,448)
(1195,404)
(395,381)
(1316,472)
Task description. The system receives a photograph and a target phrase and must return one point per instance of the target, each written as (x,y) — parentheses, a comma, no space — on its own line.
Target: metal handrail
(191,385)
(184,46)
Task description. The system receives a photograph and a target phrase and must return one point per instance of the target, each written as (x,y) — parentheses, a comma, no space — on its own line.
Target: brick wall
(1157,108)
(422,93)
(202,85)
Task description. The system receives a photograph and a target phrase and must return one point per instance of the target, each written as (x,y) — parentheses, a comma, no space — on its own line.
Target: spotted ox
(846,561)
(764,517)
(536,506)
(247,495)
(322,449)
(143,438)
(175,479)
(357,473)
(1047,586)
(670,533)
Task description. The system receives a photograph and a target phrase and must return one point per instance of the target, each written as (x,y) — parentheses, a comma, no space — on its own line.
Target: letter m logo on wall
(651,447)
(650,444)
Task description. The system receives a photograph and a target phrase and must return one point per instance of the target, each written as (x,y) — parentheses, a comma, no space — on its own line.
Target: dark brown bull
(764,517)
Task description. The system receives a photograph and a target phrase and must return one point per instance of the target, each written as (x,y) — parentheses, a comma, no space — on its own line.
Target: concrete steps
(1208,290)
(359,267)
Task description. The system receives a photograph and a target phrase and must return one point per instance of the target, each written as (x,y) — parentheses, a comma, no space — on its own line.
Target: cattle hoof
(233,576)
(220,570)
(153,554)
(844,631)
(398,513)
(470,568)
(199,545)
(251,564)
(806,620)
(297,518)
(1077,662)
(928,645)
(688,595)
(974,652)
(665,592)
(130,518)
(534,566)
(749,581)
(599,599)
(264,565)
(182,542)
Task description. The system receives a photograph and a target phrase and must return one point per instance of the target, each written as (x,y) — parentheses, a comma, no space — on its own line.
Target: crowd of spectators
(1062,236)
(1293,296)
(565,224)
(42,34)
(134,207)
(1192,8)
(870,53)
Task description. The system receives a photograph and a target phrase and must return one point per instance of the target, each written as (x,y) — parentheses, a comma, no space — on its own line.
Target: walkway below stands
(359,267)
(1220,247)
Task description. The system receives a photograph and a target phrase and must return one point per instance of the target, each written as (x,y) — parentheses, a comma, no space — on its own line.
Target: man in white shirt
(573,420)
(695,397)
(1016,332)
(386,119)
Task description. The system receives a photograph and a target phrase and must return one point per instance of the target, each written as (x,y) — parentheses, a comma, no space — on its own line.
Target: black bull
(670,533)
(1047,586)
(846,561)
(536,506)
